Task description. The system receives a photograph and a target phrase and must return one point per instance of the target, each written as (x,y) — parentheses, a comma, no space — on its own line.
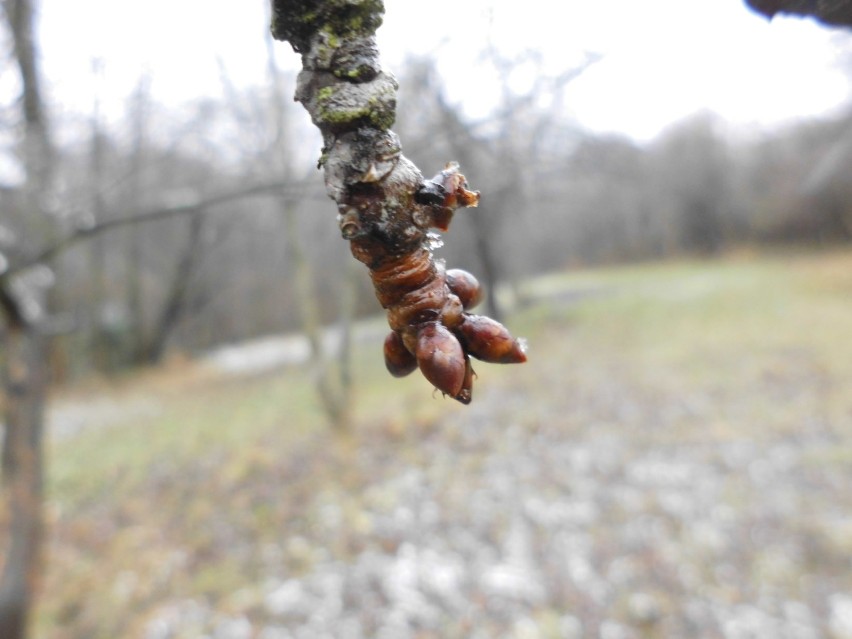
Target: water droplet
(434,241)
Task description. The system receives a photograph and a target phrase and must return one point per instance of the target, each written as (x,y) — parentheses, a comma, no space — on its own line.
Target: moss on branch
(297,22)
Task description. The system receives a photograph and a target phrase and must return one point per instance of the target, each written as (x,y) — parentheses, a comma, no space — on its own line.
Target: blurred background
(666,215)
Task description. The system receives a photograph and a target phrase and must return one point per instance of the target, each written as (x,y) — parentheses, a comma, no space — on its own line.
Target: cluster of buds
(428,305)
(385,207)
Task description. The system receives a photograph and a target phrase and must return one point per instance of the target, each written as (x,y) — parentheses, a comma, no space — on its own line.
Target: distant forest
(553,197)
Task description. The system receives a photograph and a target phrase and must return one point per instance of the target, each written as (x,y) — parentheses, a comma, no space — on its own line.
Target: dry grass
(674,461)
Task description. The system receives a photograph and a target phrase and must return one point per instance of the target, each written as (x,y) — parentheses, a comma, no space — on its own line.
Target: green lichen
(342,118)
(334,112)
(359,18)
(355,74)
(325,94)
(332,39)
(297,21)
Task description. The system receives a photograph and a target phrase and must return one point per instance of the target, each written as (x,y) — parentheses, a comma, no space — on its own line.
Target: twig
(84,232)
(385,206)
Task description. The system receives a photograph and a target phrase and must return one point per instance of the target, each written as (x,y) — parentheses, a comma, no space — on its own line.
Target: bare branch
(84,232)
(385,206)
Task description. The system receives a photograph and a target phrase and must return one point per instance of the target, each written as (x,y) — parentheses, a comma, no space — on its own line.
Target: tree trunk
(461,141)
(175,303)
(334,393)
(22,471)
(24,356)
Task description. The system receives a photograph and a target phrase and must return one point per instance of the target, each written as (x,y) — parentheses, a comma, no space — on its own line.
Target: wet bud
(490,341)
(466,286)
(466,393)
(453,312)
(441,358)
(398,360)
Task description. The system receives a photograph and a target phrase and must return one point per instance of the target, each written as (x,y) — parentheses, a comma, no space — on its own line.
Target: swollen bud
(490,341)
(441,358)
(466,393)
(398,360)
(466,286)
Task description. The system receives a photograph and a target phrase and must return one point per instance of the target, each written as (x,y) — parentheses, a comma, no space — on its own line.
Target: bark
(24,383)
(132,239)
(831,12)
(24,358)
(37,150)
(176,299)
(99,346)
(386,208)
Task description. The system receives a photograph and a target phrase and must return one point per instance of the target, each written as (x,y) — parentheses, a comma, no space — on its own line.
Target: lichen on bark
(385,206)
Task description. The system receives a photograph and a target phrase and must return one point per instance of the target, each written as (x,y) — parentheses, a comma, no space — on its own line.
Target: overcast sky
(662,59)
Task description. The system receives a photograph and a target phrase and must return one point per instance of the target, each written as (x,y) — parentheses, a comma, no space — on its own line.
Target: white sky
(663,59)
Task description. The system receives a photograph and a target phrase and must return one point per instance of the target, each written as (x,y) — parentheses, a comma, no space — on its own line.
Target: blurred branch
(85,232)
(176,299)
(831,12)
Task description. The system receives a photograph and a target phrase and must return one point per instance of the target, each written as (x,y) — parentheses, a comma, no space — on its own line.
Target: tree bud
(466,286)
(490,341)
(398,360)
(441,358)
(465,395)
(453,312)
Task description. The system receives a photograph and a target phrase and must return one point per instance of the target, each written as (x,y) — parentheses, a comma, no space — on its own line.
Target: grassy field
(675,460)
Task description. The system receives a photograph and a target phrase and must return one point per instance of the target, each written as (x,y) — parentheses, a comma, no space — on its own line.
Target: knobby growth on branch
(386,208)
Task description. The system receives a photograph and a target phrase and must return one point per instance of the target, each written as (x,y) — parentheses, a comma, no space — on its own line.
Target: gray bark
(24,358)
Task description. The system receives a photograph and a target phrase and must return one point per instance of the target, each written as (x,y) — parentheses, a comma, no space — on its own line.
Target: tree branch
(385,206)
(85,232)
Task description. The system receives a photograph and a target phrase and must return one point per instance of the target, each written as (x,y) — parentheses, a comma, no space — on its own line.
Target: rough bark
(385,206)
(24,383)
(832,12)
(23,361)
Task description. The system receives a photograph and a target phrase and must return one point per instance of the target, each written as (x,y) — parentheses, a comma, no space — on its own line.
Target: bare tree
(25,373)
(24,376)
(333,378)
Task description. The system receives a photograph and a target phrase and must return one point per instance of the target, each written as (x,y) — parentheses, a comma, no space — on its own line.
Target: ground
(675,460)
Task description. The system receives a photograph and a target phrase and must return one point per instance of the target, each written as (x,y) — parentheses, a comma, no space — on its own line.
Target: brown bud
(455,186)
(466,393)
(490,341)
(441,358)
(466,286)
(453,312)
(398,360)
